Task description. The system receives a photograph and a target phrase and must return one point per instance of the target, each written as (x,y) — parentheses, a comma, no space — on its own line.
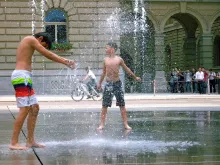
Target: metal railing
(193,86)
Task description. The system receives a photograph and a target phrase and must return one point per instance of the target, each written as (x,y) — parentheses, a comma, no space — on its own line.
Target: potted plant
(61,46)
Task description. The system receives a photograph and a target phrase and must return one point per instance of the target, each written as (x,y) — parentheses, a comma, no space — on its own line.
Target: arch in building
(194,25)
(153,19)
(194,15)
(214,18)
(56,25)
(216,50)
(215,29)
(138,46)
(60,8)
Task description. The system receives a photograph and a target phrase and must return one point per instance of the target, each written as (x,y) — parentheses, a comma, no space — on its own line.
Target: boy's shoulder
(116,58)
(105,58)
(29,39)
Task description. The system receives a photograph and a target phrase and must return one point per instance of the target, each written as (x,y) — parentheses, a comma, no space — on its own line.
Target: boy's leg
(124,117)
(119,94)
(19,121)
(31,123)
(103,117)
(106,102)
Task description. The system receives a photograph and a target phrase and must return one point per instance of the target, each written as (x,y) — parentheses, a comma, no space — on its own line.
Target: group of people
(193,81)
(27,103)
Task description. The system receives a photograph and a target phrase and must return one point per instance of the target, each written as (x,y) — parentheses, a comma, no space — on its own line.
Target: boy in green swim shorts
(113,86)
(22,82)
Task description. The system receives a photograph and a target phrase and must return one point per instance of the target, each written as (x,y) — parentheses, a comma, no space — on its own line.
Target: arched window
(56,25)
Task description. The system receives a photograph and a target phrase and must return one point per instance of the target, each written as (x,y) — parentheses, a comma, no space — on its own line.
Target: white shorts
(24,92)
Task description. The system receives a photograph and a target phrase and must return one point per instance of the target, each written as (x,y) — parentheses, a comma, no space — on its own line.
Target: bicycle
(80,91)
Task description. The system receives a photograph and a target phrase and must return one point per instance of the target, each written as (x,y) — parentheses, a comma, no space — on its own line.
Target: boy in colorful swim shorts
(22,82)
(113,86)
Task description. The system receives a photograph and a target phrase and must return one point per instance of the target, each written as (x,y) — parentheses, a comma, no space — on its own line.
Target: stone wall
(88,32)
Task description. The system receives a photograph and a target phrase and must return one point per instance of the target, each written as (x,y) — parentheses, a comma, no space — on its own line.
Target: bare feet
(100,131)
(35,145)
(127,127)
(100,127)
(17,147)
(126,132)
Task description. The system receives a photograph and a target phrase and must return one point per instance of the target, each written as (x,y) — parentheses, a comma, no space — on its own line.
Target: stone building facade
(189,29)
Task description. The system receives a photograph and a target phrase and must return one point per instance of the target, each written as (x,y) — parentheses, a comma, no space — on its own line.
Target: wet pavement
(158,137)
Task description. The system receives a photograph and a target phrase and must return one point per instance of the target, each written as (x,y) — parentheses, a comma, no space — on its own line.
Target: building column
(190,53)
(206,51)
(160,78)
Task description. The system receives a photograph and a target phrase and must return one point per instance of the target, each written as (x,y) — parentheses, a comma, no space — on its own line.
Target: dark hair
(112,45)
(46,38)
(87,68)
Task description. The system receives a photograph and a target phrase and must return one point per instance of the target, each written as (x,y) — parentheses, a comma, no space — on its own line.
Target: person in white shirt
(91,78)
(212,76)
(200,78)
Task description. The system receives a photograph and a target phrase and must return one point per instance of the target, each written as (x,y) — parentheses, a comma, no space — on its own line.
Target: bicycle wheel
(77,94)
(97,94)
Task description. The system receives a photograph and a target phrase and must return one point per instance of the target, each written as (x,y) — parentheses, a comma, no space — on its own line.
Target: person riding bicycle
(91,80)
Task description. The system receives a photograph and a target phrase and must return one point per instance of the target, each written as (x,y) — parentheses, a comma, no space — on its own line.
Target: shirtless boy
(113,85)
(22,82)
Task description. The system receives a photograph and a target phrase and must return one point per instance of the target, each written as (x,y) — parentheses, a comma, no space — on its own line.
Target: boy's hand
(70,64)
(138,79)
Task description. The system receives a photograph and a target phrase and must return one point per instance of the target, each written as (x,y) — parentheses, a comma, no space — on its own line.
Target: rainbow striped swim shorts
(24,93)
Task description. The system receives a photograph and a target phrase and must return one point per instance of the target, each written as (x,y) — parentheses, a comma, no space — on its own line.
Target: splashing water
(132,147)
(42,14)
(133,25)
(33,22)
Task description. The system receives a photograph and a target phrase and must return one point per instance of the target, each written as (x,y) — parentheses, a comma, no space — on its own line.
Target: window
(56,25)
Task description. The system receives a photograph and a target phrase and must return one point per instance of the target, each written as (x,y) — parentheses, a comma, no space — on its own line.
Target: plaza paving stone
(162,134)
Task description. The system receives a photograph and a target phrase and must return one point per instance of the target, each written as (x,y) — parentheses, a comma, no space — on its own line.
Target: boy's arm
(102,75)
(50,55)
(128,70)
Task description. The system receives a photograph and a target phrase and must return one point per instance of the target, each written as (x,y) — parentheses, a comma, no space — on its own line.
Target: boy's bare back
(26,50)
(24,53)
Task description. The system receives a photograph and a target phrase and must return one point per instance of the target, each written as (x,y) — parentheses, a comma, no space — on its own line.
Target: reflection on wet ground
(157,138)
